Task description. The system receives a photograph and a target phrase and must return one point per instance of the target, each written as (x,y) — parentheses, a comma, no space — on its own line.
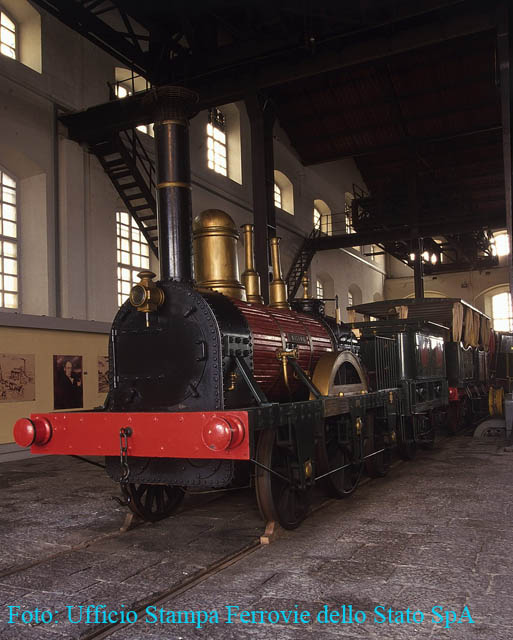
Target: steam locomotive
(210,388)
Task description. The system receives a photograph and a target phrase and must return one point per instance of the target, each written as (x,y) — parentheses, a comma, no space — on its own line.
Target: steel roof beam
(325,243)
(85,22)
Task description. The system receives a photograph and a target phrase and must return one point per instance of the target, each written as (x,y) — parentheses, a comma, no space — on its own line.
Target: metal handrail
(140,156)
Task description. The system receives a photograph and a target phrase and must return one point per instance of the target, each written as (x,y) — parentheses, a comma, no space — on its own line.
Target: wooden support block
(272,531)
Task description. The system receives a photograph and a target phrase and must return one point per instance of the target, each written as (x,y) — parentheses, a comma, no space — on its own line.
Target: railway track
(117,533)
(174,590)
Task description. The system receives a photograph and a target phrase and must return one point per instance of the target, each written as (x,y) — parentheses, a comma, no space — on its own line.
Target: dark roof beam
(447,227)
(220,87)
(289,101)
(402,122)
(91,27)
(355,153)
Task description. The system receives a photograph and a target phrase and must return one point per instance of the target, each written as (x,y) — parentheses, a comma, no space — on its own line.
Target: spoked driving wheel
(152,502)
(337,461)
(279,498)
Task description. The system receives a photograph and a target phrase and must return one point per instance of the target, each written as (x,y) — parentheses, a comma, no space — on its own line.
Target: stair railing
(131,139)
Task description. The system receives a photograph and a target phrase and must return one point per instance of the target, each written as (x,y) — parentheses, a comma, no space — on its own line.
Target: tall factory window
(323,213)
(283,192)
(8,243)
(319,289)
(502,313)
(277,196)
(216,142)
(7,36)
(133,253)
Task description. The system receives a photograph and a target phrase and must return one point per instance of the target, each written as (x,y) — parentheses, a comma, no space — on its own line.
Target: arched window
(354,294)
(325,290)
(322,213)
(8,36)
(133,253)
(502,312)
(224,150)
(316,218)
(20,33)
(286,190)
(8,243)
(217,157)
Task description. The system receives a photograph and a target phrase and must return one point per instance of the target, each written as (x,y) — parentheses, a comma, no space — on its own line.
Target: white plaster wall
(32,251)
(72,233)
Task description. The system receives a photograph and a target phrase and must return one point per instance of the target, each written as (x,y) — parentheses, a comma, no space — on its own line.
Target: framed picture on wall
(17,377)
(103,374)
(67,382)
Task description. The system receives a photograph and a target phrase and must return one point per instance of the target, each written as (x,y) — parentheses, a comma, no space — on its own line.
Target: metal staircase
(301,263)
(132,172)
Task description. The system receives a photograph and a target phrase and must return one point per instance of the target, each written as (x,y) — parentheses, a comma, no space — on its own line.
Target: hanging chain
(124,434)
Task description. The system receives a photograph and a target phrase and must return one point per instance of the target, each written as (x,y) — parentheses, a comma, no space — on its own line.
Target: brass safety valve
(146,296)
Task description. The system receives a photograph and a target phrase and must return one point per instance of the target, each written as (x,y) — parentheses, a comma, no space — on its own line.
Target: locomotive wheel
(278,499)
(332,454)
(377,465)
(153,502)
(407,447)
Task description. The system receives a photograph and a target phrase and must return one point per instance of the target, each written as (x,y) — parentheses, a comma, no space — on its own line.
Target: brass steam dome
(216,265)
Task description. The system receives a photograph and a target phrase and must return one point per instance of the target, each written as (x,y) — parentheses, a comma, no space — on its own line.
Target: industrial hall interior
(256,321)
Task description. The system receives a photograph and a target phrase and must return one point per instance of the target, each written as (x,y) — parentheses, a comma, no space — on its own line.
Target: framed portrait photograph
(68,390)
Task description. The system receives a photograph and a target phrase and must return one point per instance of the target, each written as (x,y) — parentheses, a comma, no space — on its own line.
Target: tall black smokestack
(174,107)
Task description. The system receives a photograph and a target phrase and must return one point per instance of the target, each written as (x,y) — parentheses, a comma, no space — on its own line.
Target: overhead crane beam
(220,86)
(380,236)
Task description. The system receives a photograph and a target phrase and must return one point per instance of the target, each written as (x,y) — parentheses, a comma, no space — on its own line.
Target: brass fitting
(283,356)
(250,277)
(146,296)
(308,469)
(305,283)
(359,425)
(215,253)
(233,381)
(277,288)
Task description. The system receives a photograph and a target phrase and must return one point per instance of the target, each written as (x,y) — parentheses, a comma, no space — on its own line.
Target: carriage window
(502,312)
(8,243)
(133,254)
(216,142)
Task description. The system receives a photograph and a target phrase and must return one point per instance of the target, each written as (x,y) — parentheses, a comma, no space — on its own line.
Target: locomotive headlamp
(146,296)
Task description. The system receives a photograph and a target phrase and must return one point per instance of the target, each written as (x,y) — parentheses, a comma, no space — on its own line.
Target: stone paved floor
(436,532)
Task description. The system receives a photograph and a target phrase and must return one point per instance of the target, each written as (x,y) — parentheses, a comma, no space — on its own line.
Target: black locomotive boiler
(208,385)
